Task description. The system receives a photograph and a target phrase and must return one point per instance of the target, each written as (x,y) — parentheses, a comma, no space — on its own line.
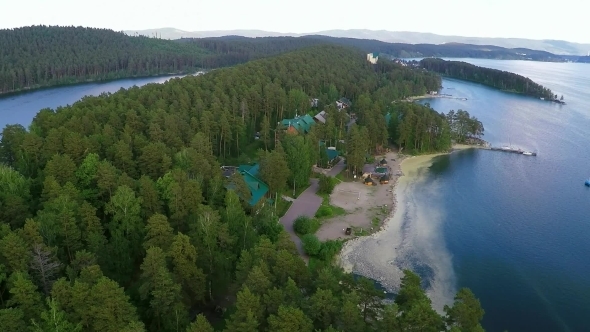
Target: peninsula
(122,199)
(499,79)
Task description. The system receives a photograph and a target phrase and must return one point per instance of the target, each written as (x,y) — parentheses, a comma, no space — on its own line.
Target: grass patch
(324,212)
(298,190)
(326,184)
(304,225)
(359,231)
(375,222)
(347,176)
(327,210)
(282,207)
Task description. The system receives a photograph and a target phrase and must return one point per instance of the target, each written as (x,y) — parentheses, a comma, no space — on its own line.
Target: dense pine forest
(232,50)
(114,214)
(38,56)
(499,79)
(41,56)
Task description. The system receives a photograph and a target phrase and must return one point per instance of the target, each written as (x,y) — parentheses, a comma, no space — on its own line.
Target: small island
(499,79)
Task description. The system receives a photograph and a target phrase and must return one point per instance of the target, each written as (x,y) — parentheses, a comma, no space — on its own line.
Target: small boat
(526,153)
(587,183)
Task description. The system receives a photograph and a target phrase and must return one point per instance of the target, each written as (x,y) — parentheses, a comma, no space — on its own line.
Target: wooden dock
(511,150)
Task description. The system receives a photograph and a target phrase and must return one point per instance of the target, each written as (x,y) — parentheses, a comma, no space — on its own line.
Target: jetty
(478,143)
(432,96)
(512,150)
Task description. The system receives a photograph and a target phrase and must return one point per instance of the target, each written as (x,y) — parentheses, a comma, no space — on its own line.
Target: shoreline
(41,87)
(366,206)
(381,256)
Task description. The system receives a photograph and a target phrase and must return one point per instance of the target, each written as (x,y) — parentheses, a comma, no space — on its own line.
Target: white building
(373,57)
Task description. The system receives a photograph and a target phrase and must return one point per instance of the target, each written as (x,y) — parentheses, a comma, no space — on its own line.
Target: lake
(517,228)
(21,108)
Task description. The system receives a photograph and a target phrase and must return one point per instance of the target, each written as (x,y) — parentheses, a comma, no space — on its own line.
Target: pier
(486,146)
(511,150)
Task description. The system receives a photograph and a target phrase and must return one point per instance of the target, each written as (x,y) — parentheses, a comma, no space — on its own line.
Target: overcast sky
(564,19)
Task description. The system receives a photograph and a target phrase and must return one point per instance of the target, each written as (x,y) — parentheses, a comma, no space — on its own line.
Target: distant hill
(560,47)
(236,49)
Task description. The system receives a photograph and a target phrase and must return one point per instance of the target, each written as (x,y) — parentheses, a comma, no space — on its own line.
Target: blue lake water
(517,228)
(22,108)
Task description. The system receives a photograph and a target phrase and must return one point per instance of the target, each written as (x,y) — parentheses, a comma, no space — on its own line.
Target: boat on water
(587,183)
(526,153)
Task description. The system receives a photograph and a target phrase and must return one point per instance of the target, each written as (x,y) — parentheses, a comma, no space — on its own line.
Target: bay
(517,227)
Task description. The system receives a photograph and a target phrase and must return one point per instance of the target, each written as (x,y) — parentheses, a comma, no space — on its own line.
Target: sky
(563,20)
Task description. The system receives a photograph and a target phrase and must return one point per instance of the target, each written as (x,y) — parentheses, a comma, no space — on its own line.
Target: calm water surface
(22,108)
(518,227)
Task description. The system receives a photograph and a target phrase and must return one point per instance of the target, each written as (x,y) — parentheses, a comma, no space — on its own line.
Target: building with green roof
(331,153)
(301,124)
(257,187)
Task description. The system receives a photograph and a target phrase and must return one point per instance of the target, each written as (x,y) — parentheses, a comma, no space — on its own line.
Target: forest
(39,56)
(503,80)
(419,129)
(114,214)
(464,126)
(233,50)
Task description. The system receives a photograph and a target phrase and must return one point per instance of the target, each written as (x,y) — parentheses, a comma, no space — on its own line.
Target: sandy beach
(364,204)
(367,206)
(409,237)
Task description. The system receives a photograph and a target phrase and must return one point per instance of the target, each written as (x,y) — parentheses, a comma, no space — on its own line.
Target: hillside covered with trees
(38,56)
(233,50)
(237,47)
(114,214)
(495,78)
(451,50)
(41,56)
